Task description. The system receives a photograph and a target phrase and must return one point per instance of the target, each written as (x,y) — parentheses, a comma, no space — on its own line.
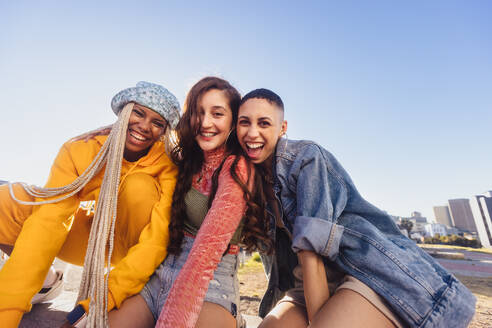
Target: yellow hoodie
(45,230)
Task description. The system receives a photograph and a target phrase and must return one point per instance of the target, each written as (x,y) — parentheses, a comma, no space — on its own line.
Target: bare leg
(286,314)
(214,315)
(134,312)
(349,309)
(344,309)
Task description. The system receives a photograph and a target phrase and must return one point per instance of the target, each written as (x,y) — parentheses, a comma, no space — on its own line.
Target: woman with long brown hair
(217,205)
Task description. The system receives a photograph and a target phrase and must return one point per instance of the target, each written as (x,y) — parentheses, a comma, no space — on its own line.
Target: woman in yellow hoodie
(133,193)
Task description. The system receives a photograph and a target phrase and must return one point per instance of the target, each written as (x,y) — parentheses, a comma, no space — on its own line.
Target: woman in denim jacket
(375,276)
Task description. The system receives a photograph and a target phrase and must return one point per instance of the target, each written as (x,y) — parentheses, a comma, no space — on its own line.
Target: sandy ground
(253,283)
(482,289)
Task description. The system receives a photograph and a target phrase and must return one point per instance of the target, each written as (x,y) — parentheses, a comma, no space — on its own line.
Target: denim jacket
(323,212)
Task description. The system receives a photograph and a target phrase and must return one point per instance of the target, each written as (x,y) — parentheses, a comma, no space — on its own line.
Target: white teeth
(137,136)
(207,134)
(254,145)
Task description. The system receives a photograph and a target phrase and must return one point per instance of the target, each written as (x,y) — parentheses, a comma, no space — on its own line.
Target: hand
(102,131)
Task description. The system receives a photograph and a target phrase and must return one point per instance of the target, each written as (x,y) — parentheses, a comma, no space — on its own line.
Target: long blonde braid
(94,283)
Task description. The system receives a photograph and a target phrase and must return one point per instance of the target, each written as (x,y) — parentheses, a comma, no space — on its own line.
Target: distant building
(417,216)
(481,207)
(431,229)
(419,223)
(452,231)
(442,215)
(461,214)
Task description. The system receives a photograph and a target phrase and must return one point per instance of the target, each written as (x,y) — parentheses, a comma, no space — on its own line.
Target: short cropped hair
(266,94)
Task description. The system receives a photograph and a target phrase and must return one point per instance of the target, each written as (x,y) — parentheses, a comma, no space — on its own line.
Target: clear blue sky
(400,92)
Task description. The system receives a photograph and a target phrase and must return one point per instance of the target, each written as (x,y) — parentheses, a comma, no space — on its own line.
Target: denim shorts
(223,289)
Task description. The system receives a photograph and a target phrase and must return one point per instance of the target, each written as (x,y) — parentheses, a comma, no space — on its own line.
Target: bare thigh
(347,308)
(134,312)
(214,315)
(286,314)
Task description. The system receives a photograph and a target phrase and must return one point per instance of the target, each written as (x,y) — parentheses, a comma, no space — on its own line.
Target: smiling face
(144,128)
(214,120)
(260,125)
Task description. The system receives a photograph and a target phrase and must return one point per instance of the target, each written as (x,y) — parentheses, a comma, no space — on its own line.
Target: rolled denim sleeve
(321,194)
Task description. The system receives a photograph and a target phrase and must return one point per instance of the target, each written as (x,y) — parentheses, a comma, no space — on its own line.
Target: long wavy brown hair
(189,158)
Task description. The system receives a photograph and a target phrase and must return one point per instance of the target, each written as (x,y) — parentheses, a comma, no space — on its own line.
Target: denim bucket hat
(150,95)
